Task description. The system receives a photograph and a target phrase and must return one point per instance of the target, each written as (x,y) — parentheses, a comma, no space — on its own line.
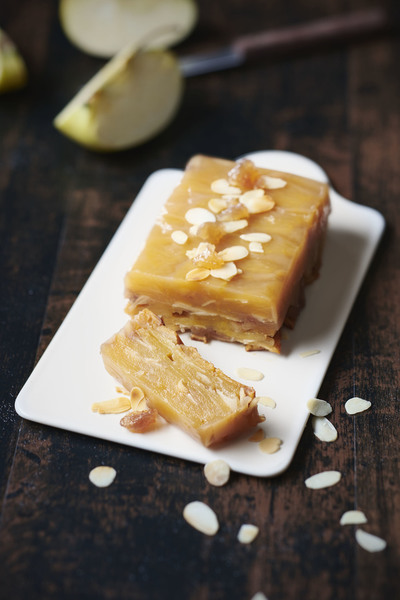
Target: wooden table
(61,537)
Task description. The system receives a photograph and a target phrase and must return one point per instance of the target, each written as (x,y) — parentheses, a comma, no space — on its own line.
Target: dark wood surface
(61,537)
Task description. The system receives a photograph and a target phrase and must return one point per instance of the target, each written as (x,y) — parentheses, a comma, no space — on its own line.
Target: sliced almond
(232,226)
(308,353)
(371,543)
(226,272)
(318,407)
(270,445)
(262,238)
(251,374)
(216,205)
(222,186)
(198,215)
(102,476)
(233,253)
(179,237)
(323,429)
(257,203)
(257,436)
(256,247)
(201,517)
(353,517)
(114,406)
(323,480)
(217,472)
(356,405)
(197,274)
(266,401)
(271,183)
(137,399)
(247,533)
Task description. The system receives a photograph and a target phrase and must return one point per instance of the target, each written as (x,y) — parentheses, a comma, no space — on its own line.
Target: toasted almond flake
(226,272)
(232,226)
(198,215)
(257,436)
(233,253)
(216,205)
(272,183)
(262,238)
(257,204)
(251,374)
(371,543)
(201,517)
(323,429)
(323,480)
(309,353)
(197,274)
(137,399)
(221,186)
(353,517)
(102,476)
(247,533)
(179,237)
(270,445)
(121,390)
(318,407)
(217,472)
(266,401)
(356,405)
(114,406)
(256,247)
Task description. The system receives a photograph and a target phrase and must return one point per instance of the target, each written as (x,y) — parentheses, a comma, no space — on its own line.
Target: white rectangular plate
(70,375)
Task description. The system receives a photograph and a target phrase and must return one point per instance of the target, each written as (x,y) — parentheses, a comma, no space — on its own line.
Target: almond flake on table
(323,429)
(102,476)
(323,480)
(318,407)
(356,405)
(247,533)
(371,543)
(217,472)
(353,517)
(251,374)
(201,517)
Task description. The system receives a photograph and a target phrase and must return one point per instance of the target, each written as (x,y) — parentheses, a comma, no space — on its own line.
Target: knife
(279,42)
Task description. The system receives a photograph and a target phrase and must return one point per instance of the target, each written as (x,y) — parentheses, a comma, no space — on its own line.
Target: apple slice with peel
(13,72)
(131,99)
(103,27)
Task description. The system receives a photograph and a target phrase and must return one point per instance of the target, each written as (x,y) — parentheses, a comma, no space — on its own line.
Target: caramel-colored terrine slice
(185,389)
(230,254)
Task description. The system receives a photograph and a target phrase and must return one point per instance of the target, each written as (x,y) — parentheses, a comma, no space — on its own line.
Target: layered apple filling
(230,254)
(175,382)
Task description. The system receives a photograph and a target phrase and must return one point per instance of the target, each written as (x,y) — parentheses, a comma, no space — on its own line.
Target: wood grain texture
(61,537)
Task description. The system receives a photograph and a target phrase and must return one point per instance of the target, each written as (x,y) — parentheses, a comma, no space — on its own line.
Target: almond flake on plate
(309,353)
(201,517)
(353,517)
(356,405)
(251,374)
(323,480)
(371,543)
(266,401)
(197,216)
(179,237)
(102,476)
(319,408)
(323,429)
(247,533)
(114,406)
(217,472)
(270,445)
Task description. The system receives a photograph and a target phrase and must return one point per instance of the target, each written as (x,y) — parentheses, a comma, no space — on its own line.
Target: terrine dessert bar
(177,382)
(230,254)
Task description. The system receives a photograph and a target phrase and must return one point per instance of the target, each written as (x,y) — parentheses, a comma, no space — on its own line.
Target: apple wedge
(103,27)
(13,72)
(131,99)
